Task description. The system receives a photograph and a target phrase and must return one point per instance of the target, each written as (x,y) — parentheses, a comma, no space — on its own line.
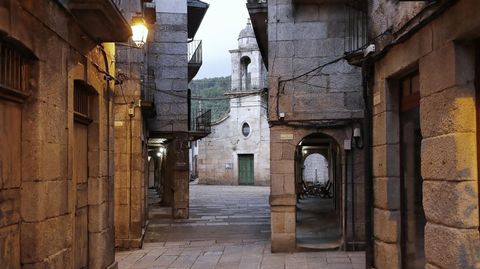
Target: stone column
(282,192)
(181,179)
(386,181)
(129,155)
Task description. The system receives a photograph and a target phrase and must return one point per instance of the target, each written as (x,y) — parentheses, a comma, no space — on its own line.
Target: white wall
(218,152)
(171,6)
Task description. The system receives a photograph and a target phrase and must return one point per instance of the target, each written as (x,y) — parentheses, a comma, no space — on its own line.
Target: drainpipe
(109,110)
(367,127)
(352,188)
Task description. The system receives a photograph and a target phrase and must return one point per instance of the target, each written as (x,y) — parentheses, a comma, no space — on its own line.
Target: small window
(245,129)
(82,101)
(13,67)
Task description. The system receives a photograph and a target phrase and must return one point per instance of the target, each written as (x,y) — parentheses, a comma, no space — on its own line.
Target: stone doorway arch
(319,215)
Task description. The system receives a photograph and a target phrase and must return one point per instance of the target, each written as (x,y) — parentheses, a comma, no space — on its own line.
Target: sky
(219,33)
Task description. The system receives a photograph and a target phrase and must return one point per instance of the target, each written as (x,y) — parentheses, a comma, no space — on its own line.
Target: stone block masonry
(167,57)
(302,37)
(56,166)
(448,148)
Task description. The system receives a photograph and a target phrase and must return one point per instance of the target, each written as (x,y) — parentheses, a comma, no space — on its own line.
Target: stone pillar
(282,192)
(449,157)
(181,178)
(130,156)
(168,175)
(386,184)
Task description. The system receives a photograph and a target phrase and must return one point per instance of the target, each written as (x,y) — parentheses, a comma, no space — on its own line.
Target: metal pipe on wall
(368,182)
(352,189)
(344,198)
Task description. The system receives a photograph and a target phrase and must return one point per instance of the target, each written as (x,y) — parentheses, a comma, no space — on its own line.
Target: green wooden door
(245,169)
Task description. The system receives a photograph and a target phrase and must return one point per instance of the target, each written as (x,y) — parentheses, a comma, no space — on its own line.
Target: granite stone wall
(39,192)
(304,99)
(167,53)
(131,139)
(448,148)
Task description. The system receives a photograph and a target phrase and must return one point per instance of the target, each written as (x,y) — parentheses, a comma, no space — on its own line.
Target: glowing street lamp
(139,31)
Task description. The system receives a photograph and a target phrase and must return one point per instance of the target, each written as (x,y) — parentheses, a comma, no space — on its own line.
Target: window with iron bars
(81,101)
(14,71)
(356,36)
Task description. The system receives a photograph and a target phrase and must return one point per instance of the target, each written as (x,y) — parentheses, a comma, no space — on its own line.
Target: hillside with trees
(208,93)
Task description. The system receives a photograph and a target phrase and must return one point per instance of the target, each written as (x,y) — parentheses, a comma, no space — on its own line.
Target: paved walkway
(222,213)
(229,228)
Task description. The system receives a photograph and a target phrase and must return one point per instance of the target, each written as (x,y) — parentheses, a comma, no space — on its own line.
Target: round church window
(245,129)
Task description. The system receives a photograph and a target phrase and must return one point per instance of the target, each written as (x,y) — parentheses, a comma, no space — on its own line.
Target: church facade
(237,150)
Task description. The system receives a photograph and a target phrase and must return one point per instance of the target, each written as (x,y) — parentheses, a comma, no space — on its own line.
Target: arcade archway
(318,180)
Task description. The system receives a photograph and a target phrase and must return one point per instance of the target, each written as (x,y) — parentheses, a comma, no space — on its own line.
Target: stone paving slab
(228,228)
(206,254)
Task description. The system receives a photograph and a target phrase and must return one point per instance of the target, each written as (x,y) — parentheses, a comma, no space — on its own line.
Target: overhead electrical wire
(200,98)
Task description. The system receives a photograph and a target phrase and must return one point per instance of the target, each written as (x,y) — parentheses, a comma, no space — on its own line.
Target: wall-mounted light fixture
(358,138)
(139,31)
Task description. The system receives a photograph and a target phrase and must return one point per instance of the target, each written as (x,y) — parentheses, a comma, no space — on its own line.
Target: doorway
(245,169)
(80,174)
(319,218)
(411,189)
(80,177)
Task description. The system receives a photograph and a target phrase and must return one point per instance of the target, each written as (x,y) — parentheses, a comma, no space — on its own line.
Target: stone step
(160,213)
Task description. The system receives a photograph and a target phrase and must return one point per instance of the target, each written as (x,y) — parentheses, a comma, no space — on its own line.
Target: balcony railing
(195,52)
(194,58)
(201,121)
(357,19)
(147,94)
(148,85)
(149,12)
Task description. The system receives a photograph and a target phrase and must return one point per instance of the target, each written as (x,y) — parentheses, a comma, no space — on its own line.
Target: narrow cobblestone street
(229,227)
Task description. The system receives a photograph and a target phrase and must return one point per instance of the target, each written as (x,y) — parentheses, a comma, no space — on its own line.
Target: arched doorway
(318,186)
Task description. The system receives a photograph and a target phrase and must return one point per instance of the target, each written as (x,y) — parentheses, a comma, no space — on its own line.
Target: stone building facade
(173,60)
(237,150)
(315,102)
(56,161)
(151,115)
(424,78)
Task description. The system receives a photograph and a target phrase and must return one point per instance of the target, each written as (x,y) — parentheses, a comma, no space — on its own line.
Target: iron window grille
(14,68)
(82,98)
(357,22)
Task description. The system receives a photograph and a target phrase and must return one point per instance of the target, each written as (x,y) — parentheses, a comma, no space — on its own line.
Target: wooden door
(10,181)
(245,169)
(80,177)
(412,213)
(10,144)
